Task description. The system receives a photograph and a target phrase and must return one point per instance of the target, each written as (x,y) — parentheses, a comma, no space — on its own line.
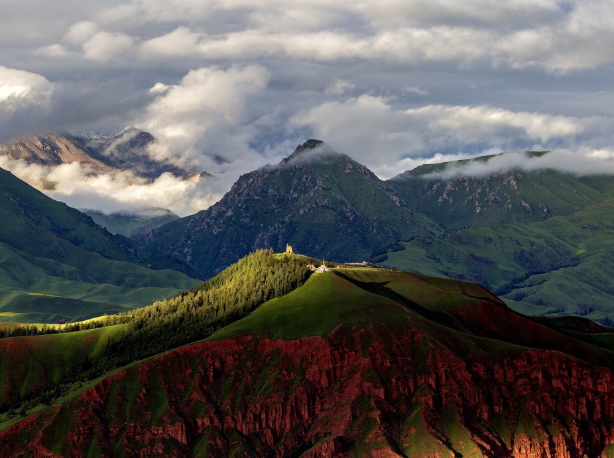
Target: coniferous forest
(164,325)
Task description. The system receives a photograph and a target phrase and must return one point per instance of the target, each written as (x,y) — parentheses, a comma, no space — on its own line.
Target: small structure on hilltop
(322,268)
(289,249)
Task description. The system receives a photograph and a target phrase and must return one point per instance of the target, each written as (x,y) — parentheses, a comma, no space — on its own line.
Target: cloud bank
(118,192)
(584,162)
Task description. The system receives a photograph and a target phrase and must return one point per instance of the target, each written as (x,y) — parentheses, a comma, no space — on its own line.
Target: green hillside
(56,264)
(32,367)
(47,366)
(509,196)
(561,265)
(420,352)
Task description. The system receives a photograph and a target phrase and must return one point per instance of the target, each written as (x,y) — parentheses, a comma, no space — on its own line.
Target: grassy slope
(323,302)
(44,290)
(27,362)
(454,314)
(509,259)
(47,248)
(452,310)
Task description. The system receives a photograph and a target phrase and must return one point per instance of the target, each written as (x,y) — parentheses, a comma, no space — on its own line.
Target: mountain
(539,239)
(56,264)
(53,149)
(128,150)
(316,200)
(502,197)
(353,362)
(128,224)
(123,151)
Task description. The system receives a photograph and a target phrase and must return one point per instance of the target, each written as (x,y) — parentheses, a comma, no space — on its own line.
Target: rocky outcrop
(348,395)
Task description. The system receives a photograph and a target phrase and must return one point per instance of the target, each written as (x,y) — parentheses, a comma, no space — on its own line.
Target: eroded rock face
(348,395)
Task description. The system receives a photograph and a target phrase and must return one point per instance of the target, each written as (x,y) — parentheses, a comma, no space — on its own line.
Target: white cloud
(81,32)
(340,87)
(179,43)
(106,45)
(96,44)
(415,90)
(584,161)
(205,114)
(75,185)
(437,76)
(20,89)
(388,139)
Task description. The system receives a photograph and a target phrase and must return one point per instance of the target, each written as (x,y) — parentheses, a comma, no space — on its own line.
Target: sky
(227,86)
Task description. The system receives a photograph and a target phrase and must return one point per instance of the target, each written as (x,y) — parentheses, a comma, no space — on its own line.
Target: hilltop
(353,362)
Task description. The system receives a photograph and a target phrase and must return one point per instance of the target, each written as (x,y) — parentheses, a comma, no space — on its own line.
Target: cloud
(75,185)
(387,139)
(340,87)
(582,162)
(204,115)
(81,32)
(96,44)
(20,89)
(180,42)
(25,98)
(229,85)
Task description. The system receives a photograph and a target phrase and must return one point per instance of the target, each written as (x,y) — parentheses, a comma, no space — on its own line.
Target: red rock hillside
(372,386)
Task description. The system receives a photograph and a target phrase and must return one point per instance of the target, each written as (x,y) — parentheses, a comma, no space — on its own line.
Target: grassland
(30,363)
(561,265)
(42,290)
(321,304)
(460,317)
(56,264)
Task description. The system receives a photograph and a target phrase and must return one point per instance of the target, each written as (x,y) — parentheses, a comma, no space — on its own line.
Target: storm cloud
(230,85)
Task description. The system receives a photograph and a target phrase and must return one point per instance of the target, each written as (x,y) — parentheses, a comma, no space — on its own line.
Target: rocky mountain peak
(300,150)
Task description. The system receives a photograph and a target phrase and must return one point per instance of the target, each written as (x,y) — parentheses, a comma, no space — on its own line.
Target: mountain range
(538,238)
(126,150)
(269,358)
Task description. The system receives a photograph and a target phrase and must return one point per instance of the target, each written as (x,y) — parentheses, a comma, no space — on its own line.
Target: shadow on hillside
(381,289)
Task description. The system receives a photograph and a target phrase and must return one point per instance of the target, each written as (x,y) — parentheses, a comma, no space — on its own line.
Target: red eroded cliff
(348,395)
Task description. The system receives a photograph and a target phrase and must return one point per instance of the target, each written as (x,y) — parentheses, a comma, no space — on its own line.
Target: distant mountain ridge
(501,197)
(123,151)
(131,223)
